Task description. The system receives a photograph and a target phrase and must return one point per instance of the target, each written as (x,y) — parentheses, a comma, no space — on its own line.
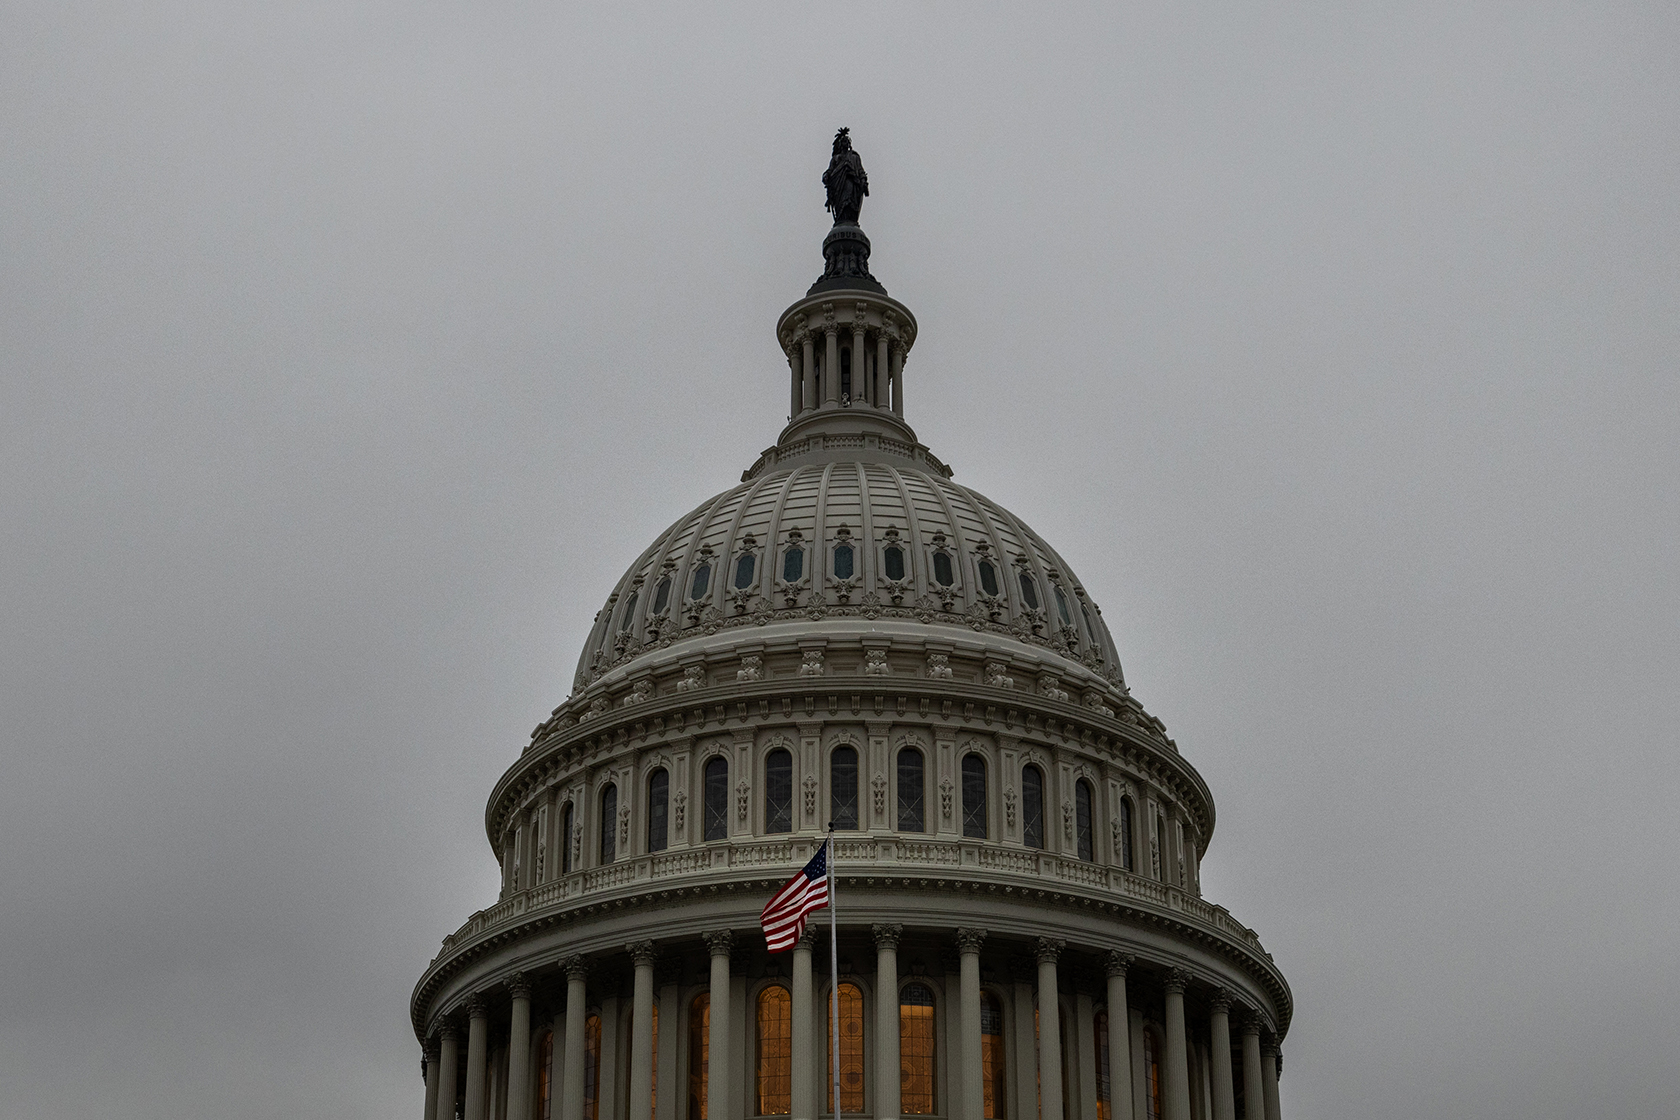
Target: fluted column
(807,372)
(886,1019)
(478,1039)
(1178,1058)
(831,368)
(449,1056)
(718,1061)
(577,996)
(641,1032)
(1119,1038)
(1253,1091)
(883,380)
(429,1063)
(971,1097)
(860,364)
(1219,1040)
(519,1046)
(1050,1030)
(898,379)
(803,1082)
(1269,1059)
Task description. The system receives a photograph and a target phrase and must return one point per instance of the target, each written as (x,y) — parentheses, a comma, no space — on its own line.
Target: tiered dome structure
(850,638)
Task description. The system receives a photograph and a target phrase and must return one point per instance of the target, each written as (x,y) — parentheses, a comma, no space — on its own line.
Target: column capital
(477,1008)
(719,941)
(447,1032)
(429,1049)
(1269,1049)
(1221,1001)
(1048,949)
(1119,963)
(807,939)
(641,952)
(1252,1023)
(1177,981)
(576,967)
(886,934)
(519,985)
(969,940)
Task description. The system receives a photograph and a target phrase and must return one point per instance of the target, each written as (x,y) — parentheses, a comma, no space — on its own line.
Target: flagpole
(834,968)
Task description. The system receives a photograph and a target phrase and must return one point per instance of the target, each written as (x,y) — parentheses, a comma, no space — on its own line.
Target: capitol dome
(849,644)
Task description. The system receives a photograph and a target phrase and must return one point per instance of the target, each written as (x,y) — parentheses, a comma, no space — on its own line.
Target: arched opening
(851,1048)
(1105,1097)
(775,1052)
(658,810)
(1032,806)
(974,796)
(609,824)
(910,791)
(843,787)
(540,1104)
(1151,1076)
(778,791)
(699,1032)
(915,1049)
(566,838)
(992,1058)
(592,1067)
(1083,840)
(716,794)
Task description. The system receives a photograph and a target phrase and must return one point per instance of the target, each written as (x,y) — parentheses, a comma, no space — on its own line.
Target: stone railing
(886,856)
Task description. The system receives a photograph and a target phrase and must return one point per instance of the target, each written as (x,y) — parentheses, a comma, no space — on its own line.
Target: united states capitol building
(850,637)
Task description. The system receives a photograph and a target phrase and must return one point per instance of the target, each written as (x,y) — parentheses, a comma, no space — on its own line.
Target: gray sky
(349,351)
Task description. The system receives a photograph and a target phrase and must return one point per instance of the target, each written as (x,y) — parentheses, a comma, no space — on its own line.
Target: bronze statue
(845,180)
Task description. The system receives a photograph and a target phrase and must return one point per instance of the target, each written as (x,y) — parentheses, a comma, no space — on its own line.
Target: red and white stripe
(784,917)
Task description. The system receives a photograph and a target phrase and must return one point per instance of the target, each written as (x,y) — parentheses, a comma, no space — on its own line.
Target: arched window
(793,564)
(991,1057)
(1151,1076)
(915,1049)
(658,809)
(988,577)
(1105,1098)
(851,1049)
(943,573)
(699,1035)
(778,791)
(609,823)
(1159,856)
(1061,605)
(1032,807)
(545,1077)
(1126,859)
(592,1067)
(910,792)
(892,562)
(1029,590)
(843,787)
(775,1052)
(653,1071)
(662,596)
(744,571)
(1082,820)
(974,796)
(566,838)
(716,825)
(702,581)
(629,616)
(843,557)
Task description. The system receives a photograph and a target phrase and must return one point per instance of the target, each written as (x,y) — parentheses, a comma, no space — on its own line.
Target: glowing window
(662,596)
(658,809)
(843,787)
(775,1052)
(991,1057)
(744,571)
(778,791)
(943,574)
(1032,807)
(843,554)
(699,1033)
(592,1067)
(1029,590)
(716,825)
(545,1076)
(974,796)
(915,1049)
(702,582)
(988,578)
(609,824)
(1082,820)
(793,564)
(1105,1107)
(1151,1076)
(851,1049)
(910,800)
(893,562)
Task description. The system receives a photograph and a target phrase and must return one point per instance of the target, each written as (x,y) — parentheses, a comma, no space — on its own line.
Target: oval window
(1029,591)
(1061,606)
(894,558)
(662,597)
(744,571)
(793,565)
(942,572)
(702,581)
(842,561)
(988,578)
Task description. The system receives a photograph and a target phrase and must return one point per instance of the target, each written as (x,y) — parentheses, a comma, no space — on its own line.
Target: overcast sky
(349,352)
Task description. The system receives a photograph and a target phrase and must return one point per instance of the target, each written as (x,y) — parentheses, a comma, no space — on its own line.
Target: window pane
(894,558)
(716,826)
(1105,1108)
(744,571)
(793,565)
(702,581)
(842,561)
(1032,807)
(629,616)
(592,1067)
(659,804)
(1151,1076)
(662,597)
(851,1049)
(1126,834)
(1082,819)
(699,1038)
(991,1057)
(843,787)
(988,578)
(1029,591)
(775,1052)
(942,571)
(566,838)
(974,796)
(609,824)
(545,1076)
(1061,606)
(778,792)
(910,790)
(915,1050)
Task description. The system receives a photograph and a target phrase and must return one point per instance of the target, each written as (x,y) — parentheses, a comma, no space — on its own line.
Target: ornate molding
(477,1006)
(886,934)
(576,967)
(969,940)
(1119,963)
(641,953)
(1048,949)
(719,942)
(1177,980)
(519,985)
(1220,1004)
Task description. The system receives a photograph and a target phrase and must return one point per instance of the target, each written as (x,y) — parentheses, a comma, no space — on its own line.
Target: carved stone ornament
(577,844)
(1009,808)
(640,692)
(997,675)
(641,952)
(752,669)
(875,663)
(719,942)
(1220,1004)
(969,940)
(743,799)
(886,934)
(947,789)
(879,786)
(1094,701)
(693,679)
(812,665)
(575,967)
(1177,980)
(624,825)
(519,985)
(1048,949)
(1119,963)
(1067,820)
(598,707)
(477,1007)
(939,666)
(1050,685)
(810,787)
(679,808)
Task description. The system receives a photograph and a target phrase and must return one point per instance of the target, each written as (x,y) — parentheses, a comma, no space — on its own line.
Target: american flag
(784,916)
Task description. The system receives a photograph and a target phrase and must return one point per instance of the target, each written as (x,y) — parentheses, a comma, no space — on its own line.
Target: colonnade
(1130,1080)
(877,379)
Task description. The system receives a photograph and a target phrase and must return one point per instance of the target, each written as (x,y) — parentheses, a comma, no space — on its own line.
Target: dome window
(793,564)
(609,824)
(778,791)
(892,562)
(1029,590)
(988,578)
(702,582)
(629,612)
(974,796)
(659,806)
(717,798)
(943,573)
(1082,820)
(843,555)
(910,790)
(1032,807)
(744,571)
(843,788)
(1061,605)
(662,596)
